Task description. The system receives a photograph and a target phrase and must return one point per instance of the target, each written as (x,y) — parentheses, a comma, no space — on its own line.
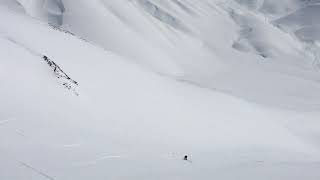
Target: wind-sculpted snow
(13,5)
(309,33)
(55,10)
(303,17)
(279,8)
(238,96)
(183,6)
(161,15)
(304,24)
(47,10)
(202,41)
(251,4)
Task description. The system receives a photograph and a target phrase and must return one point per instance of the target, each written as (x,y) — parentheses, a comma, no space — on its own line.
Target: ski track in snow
(4,122)
(39,172)
(20,133)
(76,145)
(96,161)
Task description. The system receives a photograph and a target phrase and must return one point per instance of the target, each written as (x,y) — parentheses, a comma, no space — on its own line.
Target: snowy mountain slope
(13,5)
(48,133)
(131,123)
(219,45)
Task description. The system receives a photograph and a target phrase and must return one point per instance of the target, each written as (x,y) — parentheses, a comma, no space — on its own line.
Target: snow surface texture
(232,84)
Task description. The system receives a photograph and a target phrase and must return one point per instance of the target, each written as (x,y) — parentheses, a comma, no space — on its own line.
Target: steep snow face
(274,8)
(278,8)
(251,4)
(157,12)
(55,10)
(294,16)
(231,46)
(50,11)
(304,25)
(303,22)
(118,26)
(130,123)
(215,44)
(14,5)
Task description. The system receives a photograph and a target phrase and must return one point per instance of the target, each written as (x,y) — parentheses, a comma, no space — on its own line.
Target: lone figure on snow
(185,158)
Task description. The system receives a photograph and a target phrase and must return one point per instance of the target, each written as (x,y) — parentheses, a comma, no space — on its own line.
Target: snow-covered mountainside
(124,89)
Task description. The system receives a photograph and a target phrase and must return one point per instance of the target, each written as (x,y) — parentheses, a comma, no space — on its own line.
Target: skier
(185,158)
